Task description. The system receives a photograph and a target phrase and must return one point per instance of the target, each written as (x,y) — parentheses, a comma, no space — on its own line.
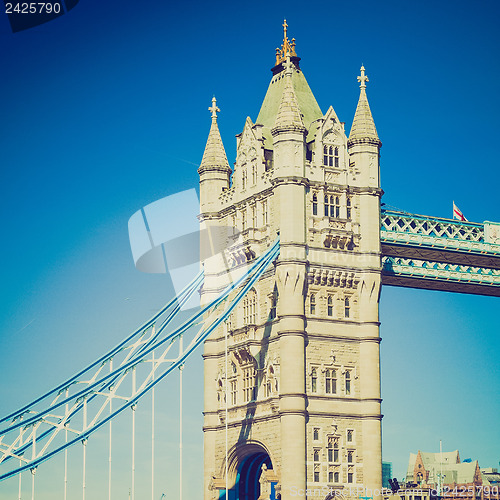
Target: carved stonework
(290,280)
(227,195)
(344,241)
(331,176)
(241,255)
(332,278)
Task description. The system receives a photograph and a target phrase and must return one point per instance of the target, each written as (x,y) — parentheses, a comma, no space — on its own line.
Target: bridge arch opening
(251,474)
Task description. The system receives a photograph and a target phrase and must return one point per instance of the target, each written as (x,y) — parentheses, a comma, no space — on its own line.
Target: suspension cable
(247,280)
(133,432)
(152,429)
(180,419)
(110,435)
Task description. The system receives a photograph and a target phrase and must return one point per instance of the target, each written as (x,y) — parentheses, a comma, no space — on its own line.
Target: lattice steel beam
(415,273)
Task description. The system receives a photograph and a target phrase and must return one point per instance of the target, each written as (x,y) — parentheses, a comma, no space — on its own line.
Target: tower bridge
(291,346)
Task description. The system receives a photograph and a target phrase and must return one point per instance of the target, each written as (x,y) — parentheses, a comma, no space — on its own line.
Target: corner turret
(363,143)
(214,169)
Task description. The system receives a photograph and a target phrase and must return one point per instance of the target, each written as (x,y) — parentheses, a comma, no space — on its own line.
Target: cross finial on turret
(363,78)
(285,26)
(214,109)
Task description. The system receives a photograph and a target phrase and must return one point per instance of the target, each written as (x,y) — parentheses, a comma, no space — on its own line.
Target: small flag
(457,213)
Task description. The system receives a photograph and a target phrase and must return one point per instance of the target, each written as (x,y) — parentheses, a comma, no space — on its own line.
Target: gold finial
(214,109)
(363,78)
(287,48)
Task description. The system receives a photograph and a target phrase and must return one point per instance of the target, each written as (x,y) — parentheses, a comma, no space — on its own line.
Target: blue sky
(104,110)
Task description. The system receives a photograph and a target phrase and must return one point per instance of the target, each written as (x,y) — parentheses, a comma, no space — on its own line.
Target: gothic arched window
(244,177)
(312,304)
(348,208)
(315,204)
(314,380)
(347,307)
(348,382)
(330,305)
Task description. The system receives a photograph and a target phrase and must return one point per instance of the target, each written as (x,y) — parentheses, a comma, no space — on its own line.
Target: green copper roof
(305,100)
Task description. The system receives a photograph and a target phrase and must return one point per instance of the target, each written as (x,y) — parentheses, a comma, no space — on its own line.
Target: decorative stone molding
(332,278)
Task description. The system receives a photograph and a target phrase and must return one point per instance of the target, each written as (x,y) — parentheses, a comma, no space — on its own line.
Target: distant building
(490,476)
(443,475)
(386,474)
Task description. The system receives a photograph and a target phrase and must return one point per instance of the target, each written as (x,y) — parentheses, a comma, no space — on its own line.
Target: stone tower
(301,391)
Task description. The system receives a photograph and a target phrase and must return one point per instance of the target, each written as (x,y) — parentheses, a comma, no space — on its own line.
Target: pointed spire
(215,154)
(363,126)
(289,116)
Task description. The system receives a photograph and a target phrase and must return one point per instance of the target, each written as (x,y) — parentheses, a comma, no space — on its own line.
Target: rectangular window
(349,435)
(350,457)
(336,477)
(336,454)
(316,476)
(330,477)
(316,455)
(348,382)
(243,220)
(264,213)
(248,383)
(331,381)
(330,454)
(316,434)
(336,207)
(314,380)
(350,477)
(234,392)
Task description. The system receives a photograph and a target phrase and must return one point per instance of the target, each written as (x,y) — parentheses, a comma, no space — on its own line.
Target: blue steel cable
(258,269)
(134,361)
(195,283)
(182,300)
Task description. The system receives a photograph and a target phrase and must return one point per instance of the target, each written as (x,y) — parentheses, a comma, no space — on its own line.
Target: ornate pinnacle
(214,109)
(363,78)
(287,48)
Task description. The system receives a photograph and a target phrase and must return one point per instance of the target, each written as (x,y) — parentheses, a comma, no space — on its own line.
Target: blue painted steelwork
(398,228)
(138,347)
(439,254)
(440,271)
